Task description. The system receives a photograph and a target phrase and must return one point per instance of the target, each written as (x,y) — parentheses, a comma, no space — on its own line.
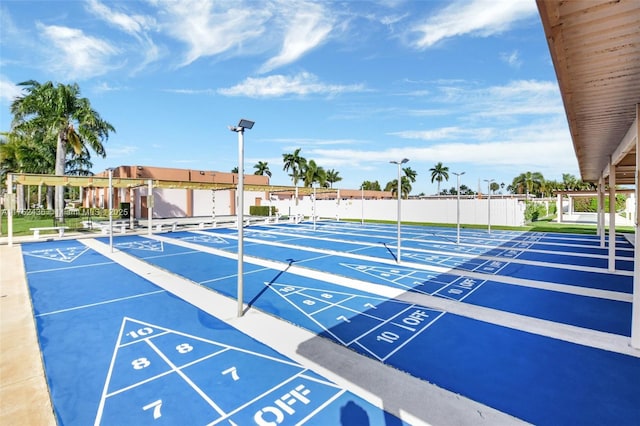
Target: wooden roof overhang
(595,48)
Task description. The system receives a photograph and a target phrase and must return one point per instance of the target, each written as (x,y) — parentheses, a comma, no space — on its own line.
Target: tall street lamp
(110,203)
(489,204)
(239,129)
(458,206)
(399,163)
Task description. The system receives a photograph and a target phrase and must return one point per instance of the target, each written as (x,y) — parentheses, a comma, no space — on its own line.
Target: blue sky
(355,84)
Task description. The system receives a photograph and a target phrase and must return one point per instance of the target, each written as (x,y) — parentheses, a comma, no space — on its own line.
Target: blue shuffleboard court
(118,350)
(532,376)
(492,319)
(611,315)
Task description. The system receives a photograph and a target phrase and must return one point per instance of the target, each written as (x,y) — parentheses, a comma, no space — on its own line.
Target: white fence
(504,211)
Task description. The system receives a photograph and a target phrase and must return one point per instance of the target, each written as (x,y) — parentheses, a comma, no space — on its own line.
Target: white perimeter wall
(173,202)
(507,211)
(203,203)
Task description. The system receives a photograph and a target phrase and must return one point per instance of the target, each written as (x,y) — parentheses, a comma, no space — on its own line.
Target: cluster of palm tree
(300,170)
(530,183)
(534,184)
(308,171)
(53,130)
(408,177)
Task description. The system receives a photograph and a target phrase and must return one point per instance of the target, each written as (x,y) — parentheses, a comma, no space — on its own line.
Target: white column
(240,220)
(150,207)
(635,315)
(570,209)
(612,216)
(9,207)
(559,208)
(600,198)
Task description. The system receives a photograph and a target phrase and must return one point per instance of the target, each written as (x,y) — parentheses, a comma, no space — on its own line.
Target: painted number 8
(140,363)
(184,348)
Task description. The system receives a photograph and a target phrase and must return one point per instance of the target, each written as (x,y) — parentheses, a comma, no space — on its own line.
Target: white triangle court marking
(143,332)
(148,245)
(211,239)
(65,254)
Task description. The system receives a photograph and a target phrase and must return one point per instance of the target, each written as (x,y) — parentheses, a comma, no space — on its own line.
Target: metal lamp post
(489,204)
(399,163)
(458,206)
(110,203)
(239,129)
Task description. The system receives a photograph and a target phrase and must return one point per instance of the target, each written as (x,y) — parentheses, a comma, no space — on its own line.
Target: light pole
(489,204)
(458,206)
(110,203)
(239,129)
(399,163)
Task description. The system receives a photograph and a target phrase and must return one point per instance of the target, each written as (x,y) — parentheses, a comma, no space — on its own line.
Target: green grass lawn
(22,225)
(546,225)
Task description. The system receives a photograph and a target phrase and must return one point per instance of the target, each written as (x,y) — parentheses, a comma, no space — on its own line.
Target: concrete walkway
(24,395)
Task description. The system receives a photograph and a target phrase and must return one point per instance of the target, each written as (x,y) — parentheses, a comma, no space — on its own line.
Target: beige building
(180,195)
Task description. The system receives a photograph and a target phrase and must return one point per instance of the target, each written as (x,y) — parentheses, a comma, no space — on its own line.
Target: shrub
(534,211)
(261,210)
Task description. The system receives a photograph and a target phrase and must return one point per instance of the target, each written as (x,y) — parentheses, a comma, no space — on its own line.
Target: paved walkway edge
(24,394)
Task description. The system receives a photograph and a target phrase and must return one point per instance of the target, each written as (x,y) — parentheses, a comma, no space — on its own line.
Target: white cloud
(132,24)
(75,54)
(307,27)
(434,134)
(280,85)
(520,97)
(121,151)
(8,89)
(512,59)
(207,30)
(481,18)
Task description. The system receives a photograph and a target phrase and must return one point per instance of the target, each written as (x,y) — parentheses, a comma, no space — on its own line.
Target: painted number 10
(145,331)
(387,337)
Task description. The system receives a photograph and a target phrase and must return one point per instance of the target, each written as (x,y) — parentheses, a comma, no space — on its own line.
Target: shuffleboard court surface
(539,379)
(119,350)
(613,316)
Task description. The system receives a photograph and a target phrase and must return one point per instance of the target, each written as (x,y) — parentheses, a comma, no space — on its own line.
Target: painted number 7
(234,373)
(156,408)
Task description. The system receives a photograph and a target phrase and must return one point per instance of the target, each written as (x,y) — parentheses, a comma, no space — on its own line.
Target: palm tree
(393,187)
(58,112)
(370,186)
(296,163)
(494,186)
(262,168)
(410,174)
(528,183)
(332,177)
(439,173)
(313,173)
(235,170)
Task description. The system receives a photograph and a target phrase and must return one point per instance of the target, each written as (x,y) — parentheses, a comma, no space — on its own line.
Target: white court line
(106,302)
(69,267)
